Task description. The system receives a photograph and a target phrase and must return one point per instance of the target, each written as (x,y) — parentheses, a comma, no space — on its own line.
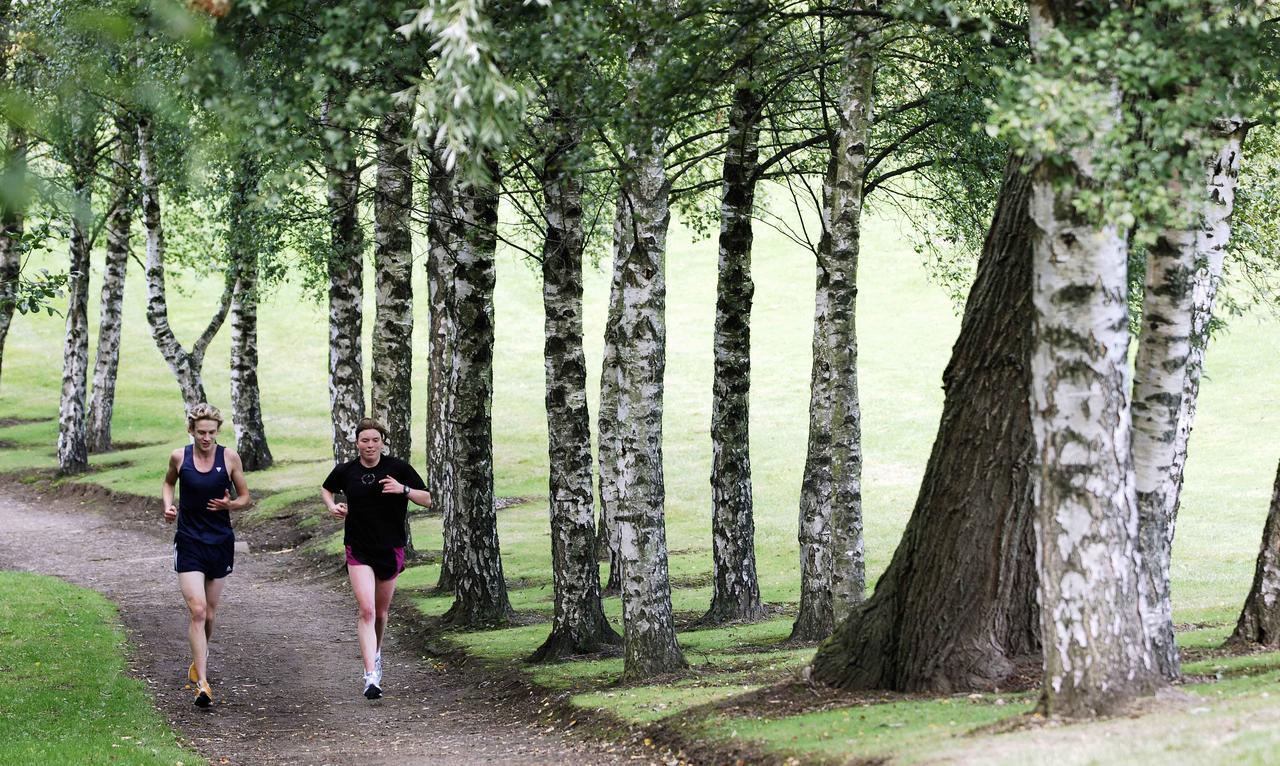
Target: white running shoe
(372,690)
(377,667)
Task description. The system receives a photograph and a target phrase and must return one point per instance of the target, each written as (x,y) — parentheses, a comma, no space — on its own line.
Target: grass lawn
(906,327)
(66,698)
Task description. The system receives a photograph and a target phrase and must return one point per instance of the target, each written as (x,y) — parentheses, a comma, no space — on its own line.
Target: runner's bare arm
(337,509)
(392,487)
(170,482)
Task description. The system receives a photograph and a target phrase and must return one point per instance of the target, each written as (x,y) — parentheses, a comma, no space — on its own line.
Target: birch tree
(392,395)
(245,239)
(119,221)
(1169,356)
(579,625)
(480,591)
(186,366)
(443,243)
(832,571)
(345,264)
(735,591)
(73,448)
(1096,648)
(649,637)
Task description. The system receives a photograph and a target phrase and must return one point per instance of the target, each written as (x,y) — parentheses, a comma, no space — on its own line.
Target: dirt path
(284,664)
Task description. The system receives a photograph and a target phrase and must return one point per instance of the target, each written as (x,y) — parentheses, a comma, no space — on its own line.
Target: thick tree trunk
(73,450)
(119,221)
(443,242)
(480,592)
(346,291)
(735,591)
(848,566)
(579,625)
(12,216)
(245,242)
(1183,272)
(392,377)
(650,646)
(948,614)
(186,366)
(608,425)
(1096,650)
(1259,621)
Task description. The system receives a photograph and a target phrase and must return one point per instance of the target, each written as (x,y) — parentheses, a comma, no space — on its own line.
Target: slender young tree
(480,591)
(579,624)
(186,365)
(73,448)
(607,424)
(1183,270)
(832,570)
(392,376)
(443,244)
(245,240)
(110,322)
(735,591)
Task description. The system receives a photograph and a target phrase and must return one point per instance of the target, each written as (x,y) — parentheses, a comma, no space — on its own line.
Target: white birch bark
(815,618)
(649,643)
(1183,272)
(848,566)
(73,451)
(442,246)
(480,591)
(185,365)
(346,289)
(1096,649)
(110,307)
(392,351)
(735,593)
(579,625)
(608,426)
(245,241)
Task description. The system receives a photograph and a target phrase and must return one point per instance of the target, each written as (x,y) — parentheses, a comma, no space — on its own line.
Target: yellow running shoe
(191,674)
(204,695)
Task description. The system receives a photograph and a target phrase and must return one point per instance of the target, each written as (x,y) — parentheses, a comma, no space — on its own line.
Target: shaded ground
(284,663)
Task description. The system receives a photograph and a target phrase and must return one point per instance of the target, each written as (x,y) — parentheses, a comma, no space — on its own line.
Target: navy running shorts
(215,560)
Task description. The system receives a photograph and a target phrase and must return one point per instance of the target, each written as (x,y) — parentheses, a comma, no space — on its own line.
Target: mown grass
(64,695)
(906,326)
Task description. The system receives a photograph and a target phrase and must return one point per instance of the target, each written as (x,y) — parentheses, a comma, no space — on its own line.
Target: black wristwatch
(406,488)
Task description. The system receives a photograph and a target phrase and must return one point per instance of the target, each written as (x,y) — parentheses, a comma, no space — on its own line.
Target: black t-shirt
(374,520)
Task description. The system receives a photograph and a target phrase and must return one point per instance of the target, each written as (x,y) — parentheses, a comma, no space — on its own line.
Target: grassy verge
(66,697)
(906,327)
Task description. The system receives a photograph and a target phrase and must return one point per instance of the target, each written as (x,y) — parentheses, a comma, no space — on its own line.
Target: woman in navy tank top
(204,474)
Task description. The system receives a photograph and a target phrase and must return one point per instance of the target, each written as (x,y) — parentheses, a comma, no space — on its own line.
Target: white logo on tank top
(218,469)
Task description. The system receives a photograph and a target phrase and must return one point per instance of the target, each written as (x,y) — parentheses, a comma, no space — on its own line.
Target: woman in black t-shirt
(377,489)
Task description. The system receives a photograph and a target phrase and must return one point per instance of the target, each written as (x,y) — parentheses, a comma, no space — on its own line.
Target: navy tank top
(195,490)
